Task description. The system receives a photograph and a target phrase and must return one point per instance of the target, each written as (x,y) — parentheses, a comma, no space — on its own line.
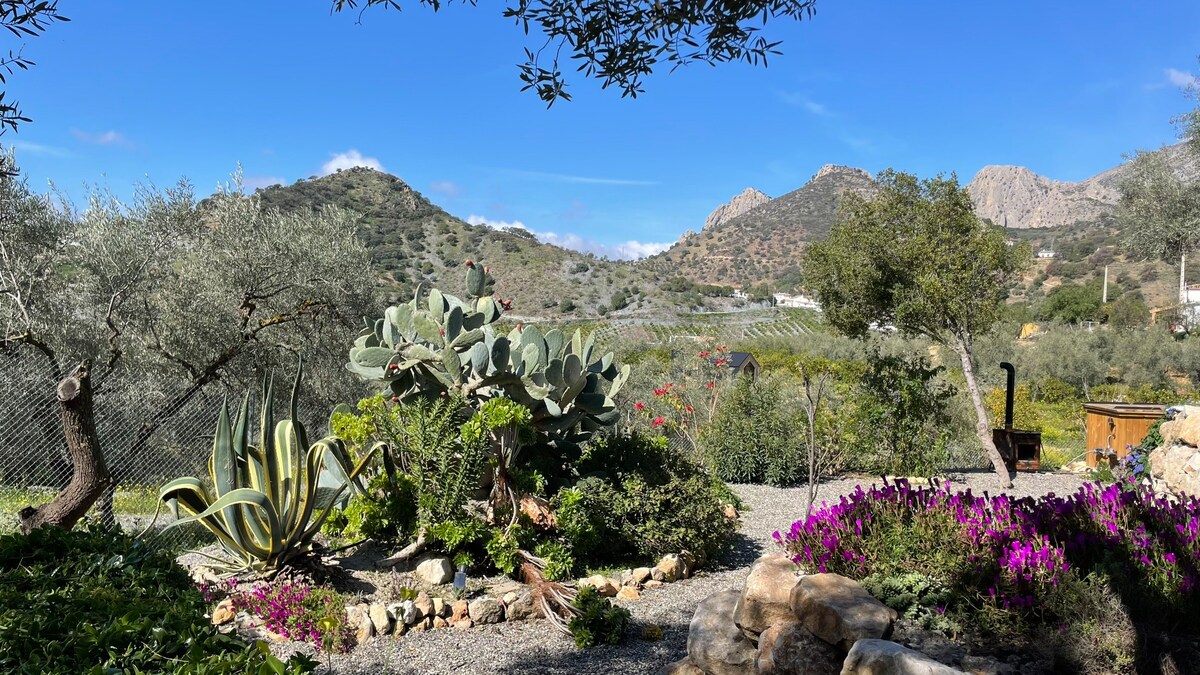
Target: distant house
(797,301)
(744,363)
(1046,253)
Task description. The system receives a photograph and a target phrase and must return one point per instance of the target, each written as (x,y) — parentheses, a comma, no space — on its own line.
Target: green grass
(139,500)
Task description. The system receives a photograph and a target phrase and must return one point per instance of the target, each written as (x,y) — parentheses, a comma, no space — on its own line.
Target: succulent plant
(265,505)
(443,343)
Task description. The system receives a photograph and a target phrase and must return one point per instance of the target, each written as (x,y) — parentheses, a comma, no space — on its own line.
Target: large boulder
(1178,466)
(787,648)
(683,666)
(840,611)
(881,657)
(766,598)
(715,644)
(1184,428)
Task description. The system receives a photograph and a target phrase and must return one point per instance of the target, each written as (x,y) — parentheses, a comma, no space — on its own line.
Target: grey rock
(787,648)
(486,610)
(380,621)
(434,569)
(766,598)
(882,657)
(840,611)
(715,643)
(521,608)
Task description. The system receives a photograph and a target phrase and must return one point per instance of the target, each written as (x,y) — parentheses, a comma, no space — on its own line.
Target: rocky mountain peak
(840,170)
(741,203)
(1024,199)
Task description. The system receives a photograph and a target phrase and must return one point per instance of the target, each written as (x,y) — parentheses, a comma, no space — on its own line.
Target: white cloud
(348,160)
(110,137)
(446,187)
(628,250)
(801,101)
(1181,78)
(255,182)
(25,147)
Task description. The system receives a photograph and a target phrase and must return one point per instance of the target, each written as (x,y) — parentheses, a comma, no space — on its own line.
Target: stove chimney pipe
(1008,398)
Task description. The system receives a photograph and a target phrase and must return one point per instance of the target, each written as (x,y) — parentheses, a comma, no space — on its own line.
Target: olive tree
(177,293)
(917,257)
(621,41)
(1159,210)
(21,19)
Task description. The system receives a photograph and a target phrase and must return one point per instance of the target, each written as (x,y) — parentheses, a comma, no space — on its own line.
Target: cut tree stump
(89,476)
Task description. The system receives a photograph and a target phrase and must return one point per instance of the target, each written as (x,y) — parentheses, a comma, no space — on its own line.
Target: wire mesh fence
(150,433)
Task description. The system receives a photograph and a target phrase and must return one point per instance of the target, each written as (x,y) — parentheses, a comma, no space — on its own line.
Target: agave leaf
(243,496)
(195,498)
(225,472)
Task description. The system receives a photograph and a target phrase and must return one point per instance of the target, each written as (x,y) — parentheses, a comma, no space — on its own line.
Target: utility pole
(1104,297)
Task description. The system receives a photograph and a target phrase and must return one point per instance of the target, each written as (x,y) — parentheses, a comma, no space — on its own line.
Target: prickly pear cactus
(443,343)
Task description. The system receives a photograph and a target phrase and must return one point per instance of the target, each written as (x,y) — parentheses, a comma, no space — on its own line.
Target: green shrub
(97,601)
(386,512)
(753,437)
(641,499)
(921,599)
(899,411)
(599,621)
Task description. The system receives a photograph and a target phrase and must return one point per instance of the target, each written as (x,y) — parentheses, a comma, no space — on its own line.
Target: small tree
(916,256)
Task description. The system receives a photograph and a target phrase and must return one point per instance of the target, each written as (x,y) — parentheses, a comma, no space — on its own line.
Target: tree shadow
(634,656)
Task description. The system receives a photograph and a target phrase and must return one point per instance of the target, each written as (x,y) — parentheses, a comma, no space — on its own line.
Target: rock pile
(1175,464)
(670,568)
(784,623)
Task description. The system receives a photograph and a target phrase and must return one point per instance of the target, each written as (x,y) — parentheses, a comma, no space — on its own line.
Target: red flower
(689,409)
(659,392)
(704,354)
(722,361)
(710,385)
(658,422)
(639,406)
(722,348)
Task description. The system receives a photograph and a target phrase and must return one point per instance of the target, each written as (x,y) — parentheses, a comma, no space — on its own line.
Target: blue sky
(137,90)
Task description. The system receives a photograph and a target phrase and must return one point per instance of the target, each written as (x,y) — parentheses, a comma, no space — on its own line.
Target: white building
(797,301)
(1191,305)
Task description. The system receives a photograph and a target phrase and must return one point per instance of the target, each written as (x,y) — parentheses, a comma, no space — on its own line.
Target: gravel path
(532,647)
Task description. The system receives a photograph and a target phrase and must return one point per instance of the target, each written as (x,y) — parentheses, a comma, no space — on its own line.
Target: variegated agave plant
(265,504)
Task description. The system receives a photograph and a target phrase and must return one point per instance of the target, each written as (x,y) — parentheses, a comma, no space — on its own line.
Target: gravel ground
(532,647)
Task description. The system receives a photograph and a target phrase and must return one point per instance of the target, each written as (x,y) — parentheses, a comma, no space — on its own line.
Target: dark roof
(739,359)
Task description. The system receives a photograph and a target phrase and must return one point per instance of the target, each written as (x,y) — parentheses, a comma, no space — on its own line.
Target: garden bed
(531,646)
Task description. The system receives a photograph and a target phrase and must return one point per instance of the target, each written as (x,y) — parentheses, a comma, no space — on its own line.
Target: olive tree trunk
(982,428)
(89,477)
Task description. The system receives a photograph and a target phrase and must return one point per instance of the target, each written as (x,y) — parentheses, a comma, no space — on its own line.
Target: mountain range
(750,241)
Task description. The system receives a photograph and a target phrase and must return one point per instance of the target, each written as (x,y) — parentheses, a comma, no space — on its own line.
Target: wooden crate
(1112,426)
